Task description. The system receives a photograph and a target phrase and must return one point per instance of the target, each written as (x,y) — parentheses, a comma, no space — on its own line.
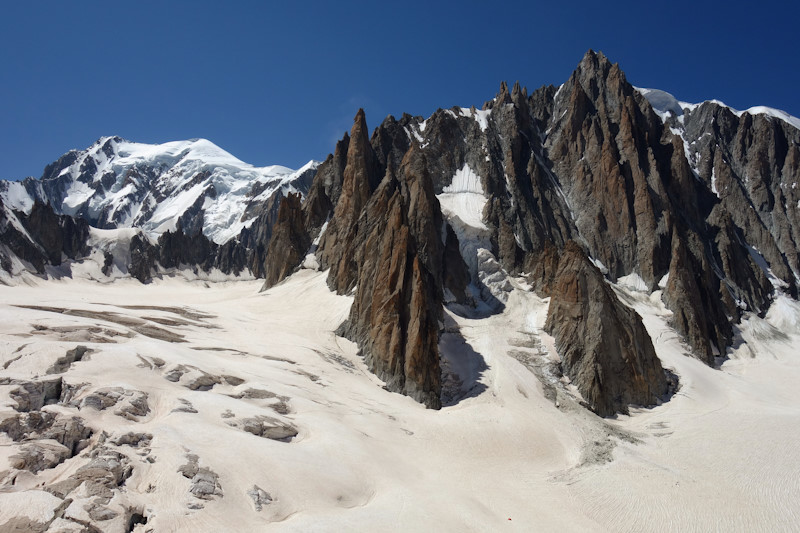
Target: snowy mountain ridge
(665,103)
(193,184)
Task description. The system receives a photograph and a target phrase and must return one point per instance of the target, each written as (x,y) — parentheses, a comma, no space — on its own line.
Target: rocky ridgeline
(41,237)
(582,184)
(578,185)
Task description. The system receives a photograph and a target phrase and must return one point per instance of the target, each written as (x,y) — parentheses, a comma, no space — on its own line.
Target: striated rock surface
(360,177)
(289,243)
(398,302)
(326,188)
(751,163)
(604,347)
(638,207)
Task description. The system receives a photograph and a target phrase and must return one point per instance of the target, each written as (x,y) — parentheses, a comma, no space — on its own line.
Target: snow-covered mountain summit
(192,184)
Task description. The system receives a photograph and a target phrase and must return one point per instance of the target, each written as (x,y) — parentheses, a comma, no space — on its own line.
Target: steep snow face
(663,102)
(195,184)
(481,116)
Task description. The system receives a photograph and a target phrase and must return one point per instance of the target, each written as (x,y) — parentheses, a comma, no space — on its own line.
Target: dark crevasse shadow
(462,366)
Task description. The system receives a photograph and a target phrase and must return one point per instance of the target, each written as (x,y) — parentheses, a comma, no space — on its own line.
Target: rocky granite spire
(360,177)
(604,348)
(398,301)
(289,243)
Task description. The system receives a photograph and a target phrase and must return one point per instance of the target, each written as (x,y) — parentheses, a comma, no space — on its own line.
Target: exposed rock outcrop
(398,302)
(752,164)
(289,243)
(360,177)
(604,347)
(41,237)
(143,258)
(326,188)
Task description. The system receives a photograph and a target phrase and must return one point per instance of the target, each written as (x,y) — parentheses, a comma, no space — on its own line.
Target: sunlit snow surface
(480,115)
(502,454)
(464,198)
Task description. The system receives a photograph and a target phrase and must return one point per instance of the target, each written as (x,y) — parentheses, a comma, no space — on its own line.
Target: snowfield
(226,409)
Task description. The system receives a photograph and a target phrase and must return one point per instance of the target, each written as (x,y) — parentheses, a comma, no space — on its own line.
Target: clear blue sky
(278,82)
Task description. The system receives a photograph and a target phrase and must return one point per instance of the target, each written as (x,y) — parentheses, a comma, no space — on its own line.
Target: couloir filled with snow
(288,430)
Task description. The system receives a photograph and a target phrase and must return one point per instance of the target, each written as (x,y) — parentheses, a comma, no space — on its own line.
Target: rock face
(604,347)
(289,243)
(383,238)
(398,303)
(640,209)
(40,237)
(359,179)
(751,163)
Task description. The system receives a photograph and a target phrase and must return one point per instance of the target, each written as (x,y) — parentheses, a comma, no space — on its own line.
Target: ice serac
(604,347)
(398,254)
(289,243)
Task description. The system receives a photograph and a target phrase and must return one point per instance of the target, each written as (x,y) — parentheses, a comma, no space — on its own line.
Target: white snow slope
(500,456)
